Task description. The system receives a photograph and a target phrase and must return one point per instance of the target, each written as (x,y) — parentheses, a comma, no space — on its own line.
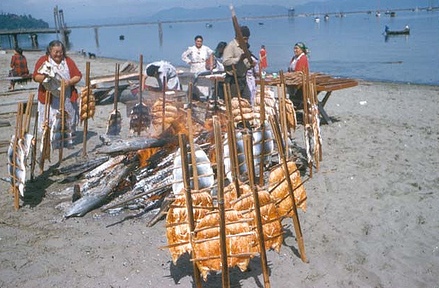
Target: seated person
(18,67)
(160,69)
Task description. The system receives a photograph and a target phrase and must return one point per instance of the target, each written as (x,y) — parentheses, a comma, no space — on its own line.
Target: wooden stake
(231,140)
(192,147)
(27,113)
(34,148)
(18,132)
(306,116)
(87,84)
(164,105)
(45,140)
(139,129)
(187,189)
(296,222)
(283,121)
(222,215)
(61,108)
(238,95)
(116,86)
(248,148)
(113,128)
(262,112)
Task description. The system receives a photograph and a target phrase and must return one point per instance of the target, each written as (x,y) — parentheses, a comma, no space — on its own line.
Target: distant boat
(391,13)
(326,17)
(317,19)
(209,25)
(405,31)
(261,23)
(378,13)
(121,37)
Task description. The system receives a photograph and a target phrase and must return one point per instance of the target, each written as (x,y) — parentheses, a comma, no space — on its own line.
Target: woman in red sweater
(299,63)
(49,71)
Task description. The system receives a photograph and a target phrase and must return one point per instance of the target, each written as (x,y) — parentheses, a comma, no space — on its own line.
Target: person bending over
(160,69)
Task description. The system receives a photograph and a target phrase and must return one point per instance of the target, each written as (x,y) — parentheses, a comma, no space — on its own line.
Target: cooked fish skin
(204,170)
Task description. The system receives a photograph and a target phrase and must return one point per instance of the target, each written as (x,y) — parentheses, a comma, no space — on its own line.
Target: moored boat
(405,31)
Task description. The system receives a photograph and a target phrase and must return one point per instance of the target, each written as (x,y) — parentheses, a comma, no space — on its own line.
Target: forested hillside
(11,21)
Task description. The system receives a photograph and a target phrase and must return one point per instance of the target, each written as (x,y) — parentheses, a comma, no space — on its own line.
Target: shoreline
(371,219)
(80,59)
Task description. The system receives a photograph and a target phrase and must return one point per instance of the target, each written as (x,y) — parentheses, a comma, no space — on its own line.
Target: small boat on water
(405,31)
(209,25)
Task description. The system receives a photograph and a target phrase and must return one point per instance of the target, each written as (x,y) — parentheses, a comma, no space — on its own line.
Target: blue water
(351,46)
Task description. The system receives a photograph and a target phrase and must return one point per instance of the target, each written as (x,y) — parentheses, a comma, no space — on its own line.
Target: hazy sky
(101,9)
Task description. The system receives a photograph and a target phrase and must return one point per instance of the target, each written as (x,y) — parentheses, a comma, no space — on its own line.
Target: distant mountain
(327,6)
(359,5)
(223,11)
(220,11)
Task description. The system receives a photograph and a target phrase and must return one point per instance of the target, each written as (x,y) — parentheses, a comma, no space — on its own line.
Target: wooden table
(324,83)
(327,86)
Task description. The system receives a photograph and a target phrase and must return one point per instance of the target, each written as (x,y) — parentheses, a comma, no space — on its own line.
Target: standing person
(18,66)
(196,55)
(299,63)
(49,71)
(234,59)
(263,58)
(160,69)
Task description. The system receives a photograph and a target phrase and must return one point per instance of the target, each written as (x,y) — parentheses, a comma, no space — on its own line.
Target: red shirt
(263,58)
(301,65)
(19,65)
(73,70)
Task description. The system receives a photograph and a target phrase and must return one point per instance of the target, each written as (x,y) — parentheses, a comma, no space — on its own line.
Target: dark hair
(198,36)
(151,70)
(54,43)
(219,50)
(245,31)
(19,50)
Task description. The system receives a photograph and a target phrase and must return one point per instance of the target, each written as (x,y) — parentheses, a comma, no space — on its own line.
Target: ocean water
(351,46)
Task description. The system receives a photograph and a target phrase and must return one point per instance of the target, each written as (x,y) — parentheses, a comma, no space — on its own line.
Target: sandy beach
(372,217)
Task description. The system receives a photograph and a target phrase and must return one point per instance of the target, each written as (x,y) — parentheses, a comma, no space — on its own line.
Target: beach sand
(372,217)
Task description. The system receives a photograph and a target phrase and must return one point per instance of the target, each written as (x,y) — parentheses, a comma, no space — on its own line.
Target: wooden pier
(60,29)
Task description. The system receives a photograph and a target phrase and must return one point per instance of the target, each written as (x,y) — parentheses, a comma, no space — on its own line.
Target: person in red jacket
(263,58)
(18,66)
(49,71)
(299,63)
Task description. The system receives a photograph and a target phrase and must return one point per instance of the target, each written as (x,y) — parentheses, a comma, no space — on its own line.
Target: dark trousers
(241,86)
(296,96)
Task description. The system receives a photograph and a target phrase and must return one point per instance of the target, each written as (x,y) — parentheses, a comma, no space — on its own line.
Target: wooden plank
(111,78)
(24,77)
(337,85)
